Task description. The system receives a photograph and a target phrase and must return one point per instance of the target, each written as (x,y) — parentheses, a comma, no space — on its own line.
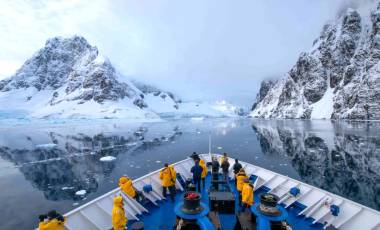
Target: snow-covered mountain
(339,78)
(68,78)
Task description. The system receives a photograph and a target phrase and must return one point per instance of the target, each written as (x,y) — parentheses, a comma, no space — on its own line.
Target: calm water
(341,157)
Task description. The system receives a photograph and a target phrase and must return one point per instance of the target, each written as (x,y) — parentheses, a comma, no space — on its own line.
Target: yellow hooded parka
(204,167)
(168,176)
(126,186)
(240,179)
(119,221)
(247,194)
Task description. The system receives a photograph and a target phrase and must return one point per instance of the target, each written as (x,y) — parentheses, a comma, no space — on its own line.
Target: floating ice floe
(107,158)
(81,192)
(158,162)
(67,188)
(47,146)
(219,147)
(197,118)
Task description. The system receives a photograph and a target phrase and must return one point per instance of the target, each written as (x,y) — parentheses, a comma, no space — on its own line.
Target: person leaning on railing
(51,221)
(126,186)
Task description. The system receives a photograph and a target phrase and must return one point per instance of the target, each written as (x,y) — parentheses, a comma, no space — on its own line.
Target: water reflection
(60,159)
(66,163)
(343,158)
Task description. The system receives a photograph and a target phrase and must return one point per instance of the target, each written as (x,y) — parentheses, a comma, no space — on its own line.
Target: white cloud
(8,67)
(199,49)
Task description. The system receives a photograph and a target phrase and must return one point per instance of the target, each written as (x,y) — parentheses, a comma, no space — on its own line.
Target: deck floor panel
(162,217)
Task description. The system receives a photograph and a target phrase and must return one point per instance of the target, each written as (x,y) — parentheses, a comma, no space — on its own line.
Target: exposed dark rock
(264,88)
(344,58)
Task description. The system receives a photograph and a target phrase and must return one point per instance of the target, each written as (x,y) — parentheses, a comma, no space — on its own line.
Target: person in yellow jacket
(240,177)
(223,158)
(168,176)
(51,221)
(204,172)
(119,221)
(247,197)
(126,186)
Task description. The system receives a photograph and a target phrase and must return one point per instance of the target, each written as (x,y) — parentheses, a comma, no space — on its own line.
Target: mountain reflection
(343,159)
(71,162)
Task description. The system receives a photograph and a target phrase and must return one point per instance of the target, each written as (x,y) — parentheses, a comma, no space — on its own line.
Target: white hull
(353,216)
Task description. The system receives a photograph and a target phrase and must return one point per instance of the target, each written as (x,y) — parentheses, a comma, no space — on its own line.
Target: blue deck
(162,217)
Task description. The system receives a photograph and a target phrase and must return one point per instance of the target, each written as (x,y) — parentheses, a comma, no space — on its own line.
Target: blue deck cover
(163,217)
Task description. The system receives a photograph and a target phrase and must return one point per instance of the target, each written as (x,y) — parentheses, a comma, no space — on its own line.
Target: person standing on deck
(204,172)
(197,175)
(247,197)
(119,221)
(225,169)
(223,158)
(240,177)
(168,177)
(215,165)
(215,170)
(236,167)
(194,156)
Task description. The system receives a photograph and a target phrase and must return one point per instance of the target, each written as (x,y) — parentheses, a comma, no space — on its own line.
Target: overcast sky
(205,50)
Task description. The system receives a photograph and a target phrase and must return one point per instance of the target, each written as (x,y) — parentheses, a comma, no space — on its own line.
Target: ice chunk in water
(81,192)
(47,146)
(107,158)
(197,118)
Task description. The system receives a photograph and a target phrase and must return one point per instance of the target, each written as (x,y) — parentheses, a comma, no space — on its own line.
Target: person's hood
(118,200)
(123,180)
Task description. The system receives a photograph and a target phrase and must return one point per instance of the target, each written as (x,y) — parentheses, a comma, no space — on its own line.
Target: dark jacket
(215,166)
(225,166)
(237,167)
(197,171)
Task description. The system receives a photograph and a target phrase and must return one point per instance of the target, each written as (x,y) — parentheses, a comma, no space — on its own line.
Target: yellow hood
(118,200)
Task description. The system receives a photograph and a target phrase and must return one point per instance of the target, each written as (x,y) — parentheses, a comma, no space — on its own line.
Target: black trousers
(225,176)
(197,183)
(240,197)
(245,206)
(171,191)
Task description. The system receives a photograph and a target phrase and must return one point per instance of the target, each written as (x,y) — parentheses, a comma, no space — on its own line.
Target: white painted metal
(97,213)
(352,215)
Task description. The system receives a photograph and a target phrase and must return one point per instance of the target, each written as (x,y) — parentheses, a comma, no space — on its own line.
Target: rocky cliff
(339,78)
